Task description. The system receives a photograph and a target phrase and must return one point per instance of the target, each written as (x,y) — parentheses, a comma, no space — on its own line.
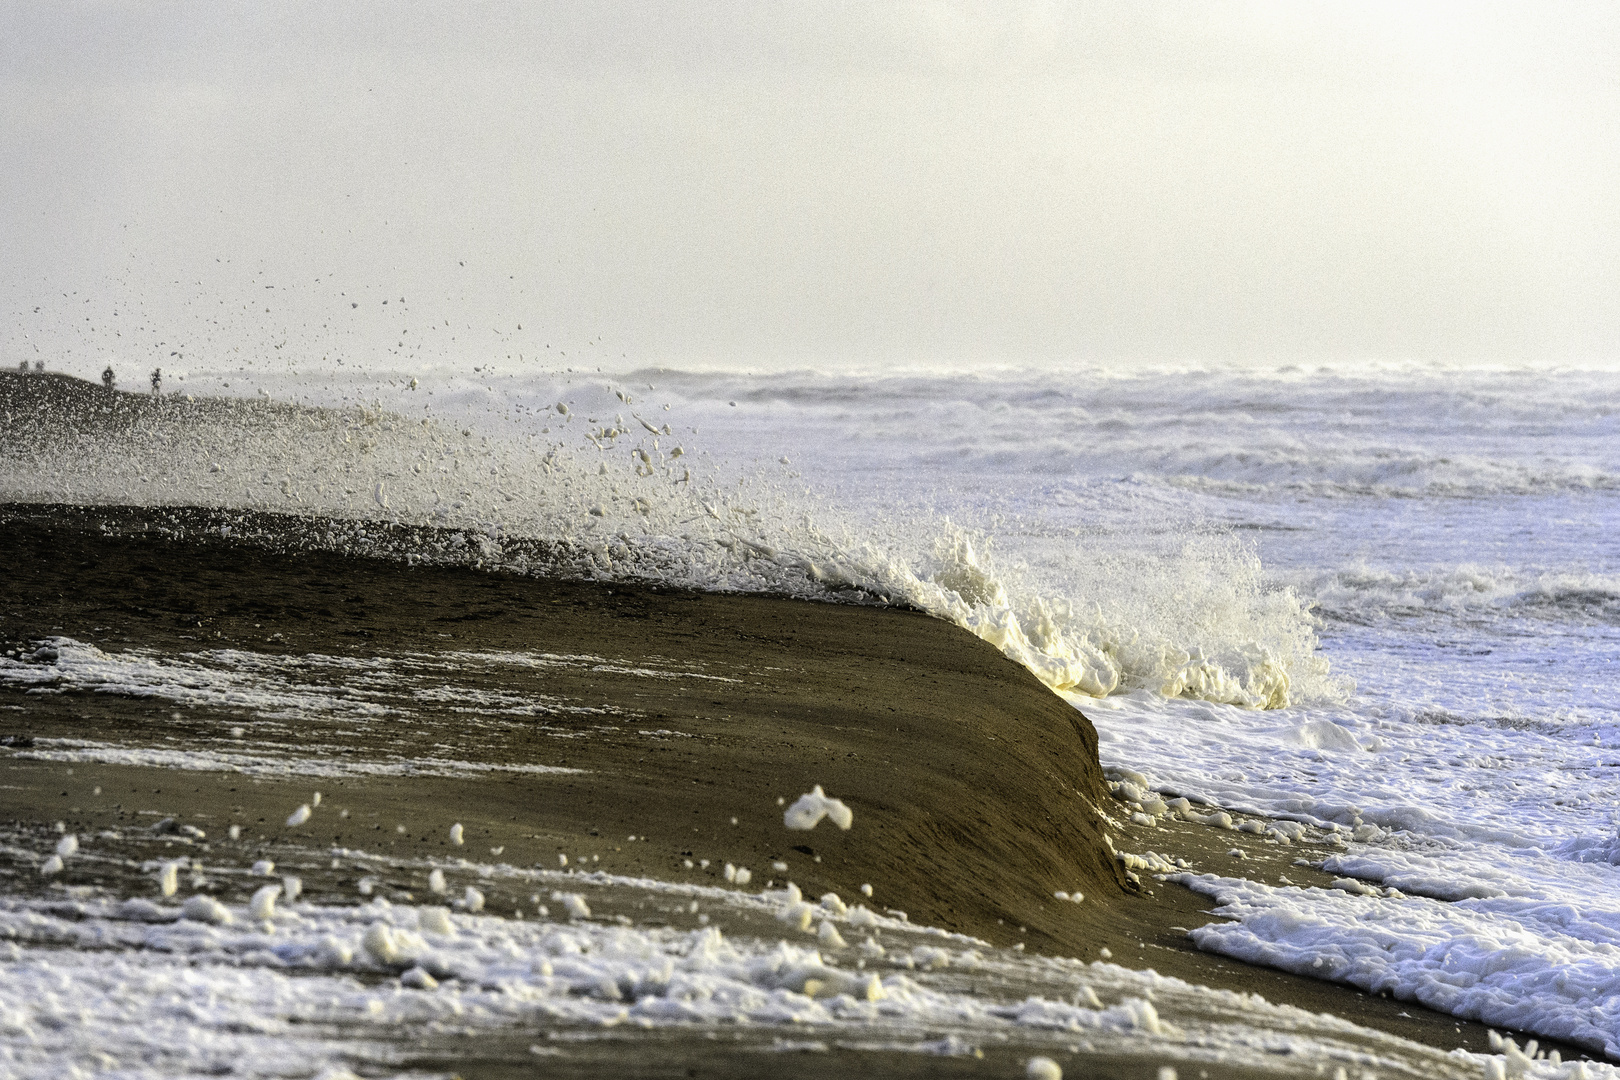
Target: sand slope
(972,785)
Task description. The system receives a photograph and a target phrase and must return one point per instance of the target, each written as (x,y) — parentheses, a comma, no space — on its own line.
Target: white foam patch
(808,810)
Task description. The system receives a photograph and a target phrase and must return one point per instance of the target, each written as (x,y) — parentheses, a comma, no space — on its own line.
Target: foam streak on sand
(279,686)
(291,763)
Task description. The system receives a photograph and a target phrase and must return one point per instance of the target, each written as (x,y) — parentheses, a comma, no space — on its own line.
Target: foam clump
(787,894)
(379,943)
(52,865)
(206,909)
(418,979)
(930,958)
(1515,1063)
(862,917)
(829,936)
(169,878)
(798,915)
(457,834)
(292,886)
(68,845)
(264,868)
(299,816)
(1146,806)
(573,903)
(263,904)
(1042,1068)
(435,920)
(334,952)
(389,946)
(472,900)
(436,881)
(808,810)
(1152,862)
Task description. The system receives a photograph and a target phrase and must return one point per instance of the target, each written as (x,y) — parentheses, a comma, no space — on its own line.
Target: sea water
(1380,601)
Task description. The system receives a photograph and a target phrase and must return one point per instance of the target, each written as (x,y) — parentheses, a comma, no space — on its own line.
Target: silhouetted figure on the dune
(157,381)
(39,367)
(23,367)
(108,378)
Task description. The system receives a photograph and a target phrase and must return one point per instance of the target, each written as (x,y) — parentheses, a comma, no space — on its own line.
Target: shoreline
(973,786)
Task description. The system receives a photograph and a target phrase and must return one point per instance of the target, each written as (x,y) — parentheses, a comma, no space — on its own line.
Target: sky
(815,184)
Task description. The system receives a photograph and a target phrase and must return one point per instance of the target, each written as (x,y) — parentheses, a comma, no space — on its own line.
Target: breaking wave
(604,489)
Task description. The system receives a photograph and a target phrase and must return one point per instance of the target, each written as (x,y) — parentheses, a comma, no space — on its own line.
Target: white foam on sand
(137,990)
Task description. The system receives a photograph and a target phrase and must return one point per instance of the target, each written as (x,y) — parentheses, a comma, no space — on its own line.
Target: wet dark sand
(973,786)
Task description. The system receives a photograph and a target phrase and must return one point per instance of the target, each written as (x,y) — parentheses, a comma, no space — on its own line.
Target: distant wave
(1365,594)
(1400,433)
(1387,475)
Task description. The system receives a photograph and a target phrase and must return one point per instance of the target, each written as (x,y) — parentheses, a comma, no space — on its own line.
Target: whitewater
(1383,602)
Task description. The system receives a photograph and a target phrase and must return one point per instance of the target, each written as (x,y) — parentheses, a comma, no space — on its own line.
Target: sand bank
(562,719)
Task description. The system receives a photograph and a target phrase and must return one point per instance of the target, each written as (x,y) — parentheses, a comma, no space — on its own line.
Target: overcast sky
(811,183)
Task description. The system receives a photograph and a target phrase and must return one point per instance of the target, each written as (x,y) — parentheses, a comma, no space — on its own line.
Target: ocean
(1380,602)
